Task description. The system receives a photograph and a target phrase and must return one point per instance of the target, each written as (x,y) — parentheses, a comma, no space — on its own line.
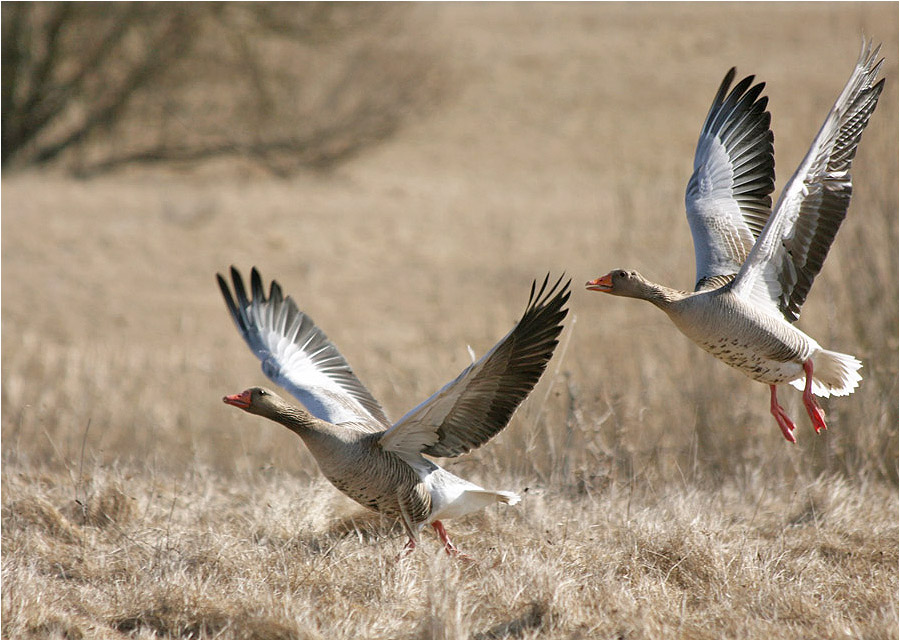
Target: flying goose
(755,266)
(376,463)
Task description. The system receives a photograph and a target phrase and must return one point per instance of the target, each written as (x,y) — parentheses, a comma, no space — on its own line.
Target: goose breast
(764,347)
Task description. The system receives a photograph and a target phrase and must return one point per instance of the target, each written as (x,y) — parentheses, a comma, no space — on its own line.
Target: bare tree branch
(169,43)
(287,85)
(15,50)
(60,96)
(43,70)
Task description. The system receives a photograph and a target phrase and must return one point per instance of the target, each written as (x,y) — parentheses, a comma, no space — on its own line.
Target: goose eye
(623,274)
(262,392)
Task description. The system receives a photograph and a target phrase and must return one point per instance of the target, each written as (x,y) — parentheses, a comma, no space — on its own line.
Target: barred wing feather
(791,249)
(479,402)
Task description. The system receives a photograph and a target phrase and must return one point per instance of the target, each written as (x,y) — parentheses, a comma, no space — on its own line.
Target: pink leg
(409,547)
(449,548)
(784,421)
(816,414)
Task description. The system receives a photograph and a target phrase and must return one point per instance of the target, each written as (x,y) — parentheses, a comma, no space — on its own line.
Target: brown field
(660,499)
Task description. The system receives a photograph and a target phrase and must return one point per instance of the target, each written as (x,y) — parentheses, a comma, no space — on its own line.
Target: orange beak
(602,284)
(241,400)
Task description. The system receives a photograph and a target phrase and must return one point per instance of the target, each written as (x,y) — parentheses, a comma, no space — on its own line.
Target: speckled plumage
(352,460)
(764,347)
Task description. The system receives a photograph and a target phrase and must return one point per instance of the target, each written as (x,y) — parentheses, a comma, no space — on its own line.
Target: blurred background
(405,171)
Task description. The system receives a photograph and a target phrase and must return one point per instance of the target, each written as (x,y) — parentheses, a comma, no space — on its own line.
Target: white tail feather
(501,496)
(469,500)
(510,498)
(834,374)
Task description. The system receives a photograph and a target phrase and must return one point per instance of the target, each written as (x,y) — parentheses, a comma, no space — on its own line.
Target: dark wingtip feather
(256,286)
(275,294)
(229,300)
(554,297)
(239,291)
(724,86)
(516,365)
(222,284)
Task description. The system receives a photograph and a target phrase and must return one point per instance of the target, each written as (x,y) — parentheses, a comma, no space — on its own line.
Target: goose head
(259,401)
(621,282)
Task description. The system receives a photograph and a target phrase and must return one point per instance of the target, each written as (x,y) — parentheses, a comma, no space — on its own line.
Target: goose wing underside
(298,356)
(728,197)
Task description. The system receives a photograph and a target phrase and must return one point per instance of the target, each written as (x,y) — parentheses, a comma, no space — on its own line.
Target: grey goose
(755,265)
(377,463)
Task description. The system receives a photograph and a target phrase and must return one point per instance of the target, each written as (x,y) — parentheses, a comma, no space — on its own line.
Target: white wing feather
(728,196)
(298,356)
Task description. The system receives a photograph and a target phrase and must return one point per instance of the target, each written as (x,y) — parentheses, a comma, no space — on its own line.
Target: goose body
(741,336)
(755,265)
(379,464)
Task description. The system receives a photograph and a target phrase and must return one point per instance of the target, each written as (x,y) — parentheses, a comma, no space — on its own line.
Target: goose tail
(834,374)
(510,498)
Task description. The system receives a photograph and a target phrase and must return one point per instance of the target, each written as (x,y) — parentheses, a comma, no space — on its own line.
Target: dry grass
(273,556)
(662,500)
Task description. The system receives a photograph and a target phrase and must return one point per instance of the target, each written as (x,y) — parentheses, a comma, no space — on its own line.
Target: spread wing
(298,356)
(475,406)
(728,198)
(791,249)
